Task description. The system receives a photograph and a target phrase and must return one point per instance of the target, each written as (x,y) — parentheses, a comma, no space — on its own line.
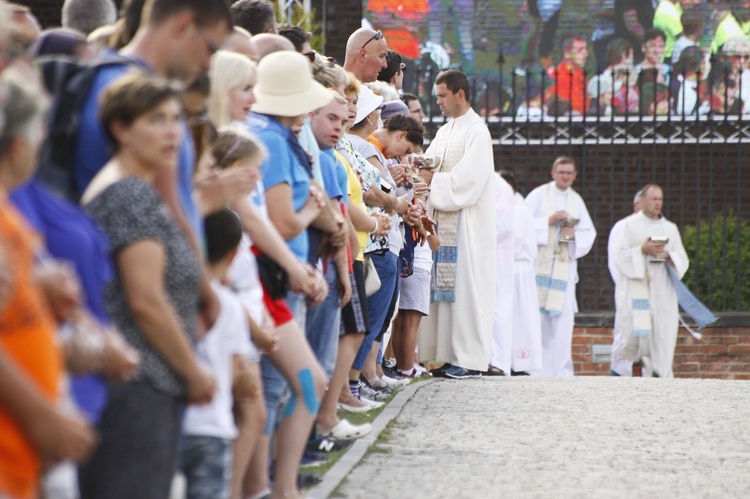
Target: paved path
(544,437)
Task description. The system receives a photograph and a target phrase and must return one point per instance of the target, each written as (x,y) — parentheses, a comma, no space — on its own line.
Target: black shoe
(494,371)
(306,480)
(440,371)
(518,373)
(323,444)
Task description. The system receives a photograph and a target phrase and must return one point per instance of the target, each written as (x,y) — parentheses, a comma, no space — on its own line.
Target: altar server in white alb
(526,328)
(649,247)
(565,233)
(459,327)
(502,335)
(619,366)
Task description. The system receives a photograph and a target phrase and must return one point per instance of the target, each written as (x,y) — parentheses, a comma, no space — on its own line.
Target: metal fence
(701,161)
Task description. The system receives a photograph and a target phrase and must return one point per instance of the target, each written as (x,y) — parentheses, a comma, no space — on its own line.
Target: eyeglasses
(377,36)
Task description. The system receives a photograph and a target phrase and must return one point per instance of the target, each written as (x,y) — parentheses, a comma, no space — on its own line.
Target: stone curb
(356,452)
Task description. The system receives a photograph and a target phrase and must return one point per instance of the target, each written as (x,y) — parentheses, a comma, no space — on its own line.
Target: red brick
(686,368)
(739,349)
(729,340)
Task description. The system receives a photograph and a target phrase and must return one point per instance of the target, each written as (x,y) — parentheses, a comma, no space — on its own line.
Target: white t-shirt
(243,274)
(230,336)
(423,257)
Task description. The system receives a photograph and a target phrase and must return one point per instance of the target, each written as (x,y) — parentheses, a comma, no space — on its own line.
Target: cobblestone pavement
(582,437)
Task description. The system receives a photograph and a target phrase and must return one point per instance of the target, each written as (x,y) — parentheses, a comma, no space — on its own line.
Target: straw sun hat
(286,86)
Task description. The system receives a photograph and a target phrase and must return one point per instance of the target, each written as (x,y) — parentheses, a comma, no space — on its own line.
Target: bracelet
(375,229)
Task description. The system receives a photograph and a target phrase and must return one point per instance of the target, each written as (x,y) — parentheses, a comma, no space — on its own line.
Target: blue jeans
(378,303)
(207,465)
(323,322)
(391,310)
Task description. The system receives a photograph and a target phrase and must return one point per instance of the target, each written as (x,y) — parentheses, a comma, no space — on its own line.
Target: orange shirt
(570,86)
(27,334)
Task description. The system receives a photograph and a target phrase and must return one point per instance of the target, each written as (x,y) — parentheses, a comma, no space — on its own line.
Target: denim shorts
(206,463)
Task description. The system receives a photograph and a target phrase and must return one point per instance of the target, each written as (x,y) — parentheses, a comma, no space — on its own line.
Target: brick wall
(723,352)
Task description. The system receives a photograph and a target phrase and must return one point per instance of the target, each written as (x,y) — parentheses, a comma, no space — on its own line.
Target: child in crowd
(209,430)
(414,300)
(234,150)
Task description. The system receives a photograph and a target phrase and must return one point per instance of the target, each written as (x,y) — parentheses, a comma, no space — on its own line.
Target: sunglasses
(377,36)
(311,56)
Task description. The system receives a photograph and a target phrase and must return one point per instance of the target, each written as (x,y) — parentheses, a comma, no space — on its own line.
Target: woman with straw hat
(286,90)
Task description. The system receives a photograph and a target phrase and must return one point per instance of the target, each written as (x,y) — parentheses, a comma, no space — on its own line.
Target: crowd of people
(201,273)
(656,62)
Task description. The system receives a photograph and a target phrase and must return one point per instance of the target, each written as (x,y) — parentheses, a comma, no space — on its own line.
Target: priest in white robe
(619,366)
(459,328)
(525,342)
(502,335)
(565,233)
(649,247)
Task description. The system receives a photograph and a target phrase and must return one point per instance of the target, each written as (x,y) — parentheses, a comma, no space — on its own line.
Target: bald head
(266,43)
(241,42)
(366,52)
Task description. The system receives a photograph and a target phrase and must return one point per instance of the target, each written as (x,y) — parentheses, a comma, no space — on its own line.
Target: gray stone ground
(546,437)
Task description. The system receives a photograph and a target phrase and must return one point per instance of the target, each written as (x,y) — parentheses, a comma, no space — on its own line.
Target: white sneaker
(374,404)
(395,383)
(377,382)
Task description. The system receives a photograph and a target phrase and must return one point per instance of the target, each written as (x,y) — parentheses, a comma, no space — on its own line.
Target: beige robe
(460,332)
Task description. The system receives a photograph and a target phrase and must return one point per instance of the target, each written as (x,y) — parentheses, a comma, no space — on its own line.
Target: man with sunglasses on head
(366,54)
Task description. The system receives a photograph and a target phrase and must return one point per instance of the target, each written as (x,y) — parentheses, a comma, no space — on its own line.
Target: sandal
(494,371)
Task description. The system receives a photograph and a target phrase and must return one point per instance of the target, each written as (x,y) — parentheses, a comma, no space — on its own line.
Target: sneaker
(311,458)
(389,363)
(440,371)
(306,480)
(457,372)
(326,445)
(395,383)
(368,392)
(374,404)
(355,408)
(421,371)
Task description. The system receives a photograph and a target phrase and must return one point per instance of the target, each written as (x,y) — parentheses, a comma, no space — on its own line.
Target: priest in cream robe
(458,330)
(554,206)
(502,330)
(645,298)
(619,366)
(524,347)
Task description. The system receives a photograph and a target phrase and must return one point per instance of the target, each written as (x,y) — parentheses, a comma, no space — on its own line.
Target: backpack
(69,82)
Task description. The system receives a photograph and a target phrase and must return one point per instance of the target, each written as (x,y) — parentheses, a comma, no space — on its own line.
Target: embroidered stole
(553,259)
(443,284)
(639,290)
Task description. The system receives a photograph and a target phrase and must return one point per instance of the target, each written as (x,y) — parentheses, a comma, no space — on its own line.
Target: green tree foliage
(719,252)
(309,22)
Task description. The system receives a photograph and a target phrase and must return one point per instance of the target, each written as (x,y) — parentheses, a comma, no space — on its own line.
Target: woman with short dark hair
(153,299)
